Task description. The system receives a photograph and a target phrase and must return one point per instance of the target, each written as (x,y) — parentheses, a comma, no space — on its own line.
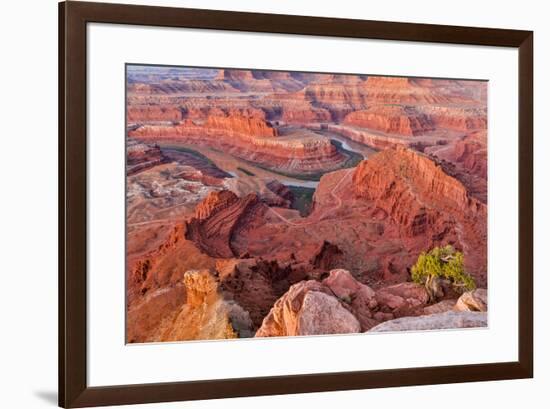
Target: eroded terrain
(263,203)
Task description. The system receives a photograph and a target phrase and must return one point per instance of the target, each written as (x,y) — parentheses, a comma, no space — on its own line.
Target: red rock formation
(283,194)
(425,202)
(205,314)
(422,184)
(466,159)
(389,82)
(308,308)
(357,297)
(279,79)
(224,266)
(239,124)
(381,216)
(338,98)
(165,265)
(252,139)
(180,86)
(403,299)
(141,156)
(146,113)
(215,202)
(339,304)
(255,285)
(327,257)
(401,90)
(458,118)
(393,119)
(245,81)
(471,153)
(217,219)
(374,139)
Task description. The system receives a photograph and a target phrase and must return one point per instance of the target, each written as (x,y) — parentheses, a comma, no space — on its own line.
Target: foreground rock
(442,306)
(358,298)
(446,320)
(308,308)
(205,314)
(402,299)
(472,301)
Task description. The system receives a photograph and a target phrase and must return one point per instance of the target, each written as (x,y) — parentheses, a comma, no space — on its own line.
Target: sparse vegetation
(442,263)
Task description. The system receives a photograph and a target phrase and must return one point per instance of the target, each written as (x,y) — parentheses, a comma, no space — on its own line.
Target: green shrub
(442,263)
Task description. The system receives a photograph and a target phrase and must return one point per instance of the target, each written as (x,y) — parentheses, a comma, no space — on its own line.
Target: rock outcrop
(282,197)
(358,298)
(457,118)
(218,217)
(155,113)
(205,314)
(327,257)
(233,124)
(402,299)
(341,303)
(425,202)
(446,320)
(441,306)
(466,159)
(254,284)
(472,301)
(250,138)
(226,239)
(215,202)
(141,156)
(393,119)
(308,309)
(166,264)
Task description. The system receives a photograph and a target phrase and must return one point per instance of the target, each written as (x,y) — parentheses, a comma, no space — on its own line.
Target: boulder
(445,320)
(308,308)
(472,301)
(323,314)
(358,298)
(402,297)
(344,285)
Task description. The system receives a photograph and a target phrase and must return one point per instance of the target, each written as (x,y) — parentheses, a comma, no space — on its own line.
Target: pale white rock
(323,314)
(445,320)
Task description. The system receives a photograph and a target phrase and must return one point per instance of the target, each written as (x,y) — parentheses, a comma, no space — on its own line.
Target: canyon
(270,203)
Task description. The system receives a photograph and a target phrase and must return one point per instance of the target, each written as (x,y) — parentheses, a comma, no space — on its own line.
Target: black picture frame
(73,18)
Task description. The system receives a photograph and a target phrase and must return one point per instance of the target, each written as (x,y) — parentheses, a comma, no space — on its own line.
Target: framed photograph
(256,204)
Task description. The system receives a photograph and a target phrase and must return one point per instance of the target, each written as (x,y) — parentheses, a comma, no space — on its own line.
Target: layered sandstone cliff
(425,201)
(466,160)
(218,217)
(249,138)
(392,119)
(141,156)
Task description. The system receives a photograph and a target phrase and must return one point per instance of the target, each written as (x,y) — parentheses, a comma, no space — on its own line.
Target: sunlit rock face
(271,203)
